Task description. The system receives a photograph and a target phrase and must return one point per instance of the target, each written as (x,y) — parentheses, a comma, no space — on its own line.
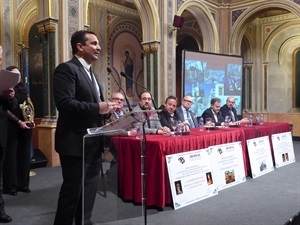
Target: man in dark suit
(169,114)
(79,101)
(185,112)
(4,218)
(214,112)
(229,110)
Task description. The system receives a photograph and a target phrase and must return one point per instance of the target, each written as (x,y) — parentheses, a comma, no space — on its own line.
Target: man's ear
(79,47)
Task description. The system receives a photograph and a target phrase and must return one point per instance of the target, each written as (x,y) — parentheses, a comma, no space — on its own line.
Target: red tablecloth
(158,192)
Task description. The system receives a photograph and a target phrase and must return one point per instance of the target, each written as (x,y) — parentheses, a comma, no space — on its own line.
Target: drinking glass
(174,124)
(208,123)
(227,120)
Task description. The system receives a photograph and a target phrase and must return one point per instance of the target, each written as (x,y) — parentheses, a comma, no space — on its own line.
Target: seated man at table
(119,99)
(185,111)
(229,110)
(153,125)
(109,153)
(214,112)
(169,114)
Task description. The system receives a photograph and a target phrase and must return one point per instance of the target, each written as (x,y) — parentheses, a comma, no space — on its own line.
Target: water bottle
(138,133)
(250,123)
(261,122)
(201,123)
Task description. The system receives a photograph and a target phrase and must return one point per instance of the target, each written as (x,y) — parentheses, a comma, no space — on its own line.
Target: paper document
(8,79)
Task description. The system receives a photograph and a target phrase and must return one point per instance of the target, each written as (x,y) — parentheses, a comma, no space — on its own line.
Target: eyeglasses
(144,99)
(188,101)
(118,99)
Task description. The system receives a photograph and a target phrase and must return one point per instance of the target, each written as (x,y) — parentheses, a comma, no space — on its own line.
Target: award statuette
(28,110)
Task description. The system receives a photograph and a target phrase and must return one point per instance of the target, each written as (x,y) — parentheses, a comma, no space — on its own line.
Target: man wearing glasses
(153,125)
(110,153)
(119,99)
(185,111)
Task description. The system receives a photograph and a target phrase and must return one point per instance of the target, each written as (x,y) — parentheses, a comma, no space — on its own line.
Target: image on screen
(207,75)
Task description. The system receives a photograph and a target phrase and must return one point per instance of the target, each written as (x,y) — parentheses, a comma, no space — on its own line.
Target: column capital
(150,47)
(47,25)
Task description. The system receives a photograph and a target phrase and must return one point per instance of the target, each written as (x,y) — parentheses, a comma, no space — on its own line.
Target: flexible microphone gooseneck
(119,85)
(124,75)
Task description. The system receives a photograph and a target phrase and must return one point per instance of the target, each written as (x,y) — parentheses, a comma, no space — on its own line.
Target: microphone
(127,101)
(124,75)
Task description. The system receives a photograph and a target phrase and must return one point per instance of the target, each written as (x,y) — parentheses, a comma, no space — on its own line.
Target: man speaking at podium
(79,101)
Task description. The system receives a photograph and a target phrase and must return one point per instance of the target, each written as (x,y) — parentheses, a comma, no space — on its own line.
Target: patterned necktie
(232,115)
(119,114)
(189,118)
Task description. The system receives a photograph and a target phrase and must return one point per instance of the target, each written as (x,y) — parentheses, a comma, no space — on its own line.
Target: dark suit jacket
(225,112)
(4,104)
(209,114)
(77,105)
(193,115)
(165,120)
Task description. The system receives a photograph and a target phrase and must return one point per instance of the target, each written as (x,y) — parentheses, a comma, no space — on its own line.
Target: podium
(94,140)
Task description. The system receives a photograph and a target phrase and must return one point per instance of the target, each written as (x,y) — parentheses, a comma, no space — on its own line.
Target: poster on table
(283,149)
(190,176)
(228,164)
(260,156)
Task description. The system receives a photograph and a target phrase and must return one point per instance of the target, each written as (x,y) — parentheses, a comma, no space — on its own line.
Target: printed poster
(191,177)
(260,156)
(228,164)
(283,149)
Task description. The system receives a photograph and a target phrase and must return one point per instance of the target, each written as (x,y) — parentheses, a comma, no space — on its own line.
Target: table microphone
(154,103)
(119,85)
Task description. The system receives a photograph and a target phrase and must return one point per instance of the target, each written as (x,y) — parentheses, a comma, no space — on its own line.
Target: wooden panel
(46,135)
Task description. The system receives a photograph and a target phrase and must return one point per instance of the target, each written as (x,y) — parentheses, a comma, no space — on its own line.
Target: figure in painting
(128,67)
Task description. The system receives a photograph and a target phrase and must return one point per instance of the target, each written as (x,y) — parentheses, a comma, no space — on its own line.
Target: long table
(158,192)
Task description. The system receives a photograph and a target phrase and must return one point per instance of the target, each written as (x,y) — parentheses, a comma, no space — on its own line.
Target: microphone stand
(143,154)
(126,98)
(153,101)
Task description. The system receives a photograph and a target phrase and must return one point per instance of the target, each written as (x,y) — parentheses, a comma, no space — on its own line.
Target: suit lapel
(89,82)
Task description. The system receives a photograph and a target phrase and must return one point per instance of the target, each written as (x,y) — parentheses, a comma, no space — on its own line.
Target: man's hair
(10,68)
(171,97)
(140,95)
(213,100)
(79,37)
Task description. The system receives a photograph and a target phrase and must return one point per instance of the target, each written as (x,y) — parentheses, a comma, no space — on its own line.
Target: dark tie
(94,85)
(189,118)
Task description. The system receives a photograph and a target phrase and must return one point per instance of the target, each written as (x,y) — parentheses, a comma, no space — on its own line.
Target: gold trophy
(28,111)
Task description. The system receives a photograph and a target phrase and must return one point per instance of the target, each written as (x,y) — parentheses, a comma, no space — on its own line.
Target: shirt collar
(84,63)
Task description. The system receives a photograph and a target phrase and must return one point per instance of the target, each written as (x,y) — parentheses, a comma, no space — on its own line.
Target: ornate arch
(149,20)
(185,32)
(275,33)
(27,16)
(246,18)
(206,22)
